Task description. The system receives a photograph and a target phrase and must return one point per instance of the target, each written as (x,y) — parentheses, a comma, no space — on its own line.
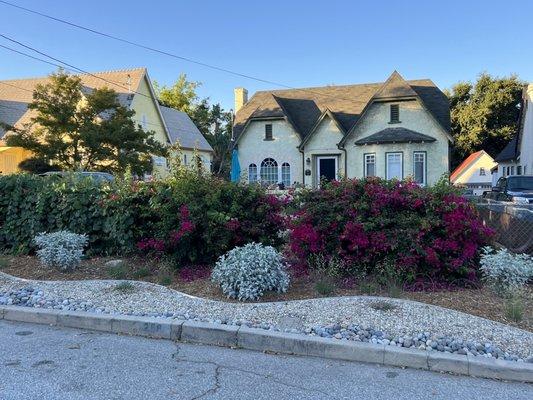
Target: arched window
(269,171)
(286,174)
(252,173)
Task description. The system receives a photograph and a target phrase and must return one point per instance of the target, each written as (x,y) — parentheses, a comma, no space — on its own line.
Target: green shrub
(188,218)
(324,287)
(514,309)
(368,287)
(142,272)
(4,262)
(125,287)
(118,272)
(165,280)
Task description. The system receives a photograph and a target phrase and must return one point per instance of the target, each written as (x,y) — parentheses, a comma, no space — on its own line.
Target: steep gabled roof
(181,129)
(16,94)
(304,107)
(511,151)
(467,162)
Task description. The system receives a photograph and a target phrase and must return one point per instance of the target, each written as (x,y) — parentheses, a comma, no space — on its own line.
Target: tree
(74,129)
(211,119)
(484,115)
(181,95)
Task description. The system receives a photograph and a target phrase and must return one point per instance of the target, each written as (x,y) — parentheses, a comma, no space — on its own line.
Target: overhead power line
(142,46)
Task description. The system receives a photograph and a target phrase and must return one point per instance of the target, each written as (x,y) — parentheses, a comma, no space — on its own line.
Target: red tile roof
(465,164)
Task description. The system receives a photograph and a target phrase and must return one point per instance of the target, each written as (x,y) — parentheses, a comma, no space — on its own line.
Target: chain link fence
(512,223)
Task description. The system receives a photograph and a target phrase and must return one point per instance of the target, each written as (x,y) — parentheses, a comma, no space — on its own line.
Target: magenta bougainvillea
(421,232)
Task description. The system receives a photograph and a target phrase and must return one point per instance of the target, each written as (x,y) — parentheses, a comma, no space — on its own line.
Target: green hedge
(188,217)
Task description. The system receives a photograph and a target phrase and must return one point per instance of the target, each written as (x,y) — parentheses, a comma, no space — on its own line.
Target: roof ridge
(113,71)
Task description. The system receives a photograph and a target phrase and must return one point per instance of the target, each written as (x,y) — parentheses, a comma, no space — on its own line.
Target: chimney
(241,98)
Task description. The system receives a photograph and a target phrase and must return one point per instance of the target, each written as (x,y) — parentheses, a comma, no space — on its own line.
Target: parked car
(100,177)
(515,188)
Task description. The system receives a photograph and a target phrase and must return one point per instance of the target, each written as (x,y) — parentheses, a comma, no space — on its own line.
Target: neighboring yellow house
(135,91)
(474,173)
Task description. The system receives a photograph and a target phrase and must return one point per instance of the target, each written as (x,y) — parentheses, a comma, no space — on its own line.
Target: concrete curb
(275,342)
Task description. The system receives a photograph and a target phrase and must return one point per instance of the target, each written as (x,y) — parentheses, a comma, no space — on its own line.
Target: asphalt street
(42,362)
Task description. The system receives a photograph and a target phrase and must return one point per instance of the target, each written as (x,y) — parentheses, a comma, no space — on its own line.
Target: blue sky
(297,43)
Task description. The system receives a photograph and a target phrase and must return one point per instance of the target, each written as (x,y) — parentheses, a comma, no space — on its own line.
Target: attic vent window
(394,113)
(268,132)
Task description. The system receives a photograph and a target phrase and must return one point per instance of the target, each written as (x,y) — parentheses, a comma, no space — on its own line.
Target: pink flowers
(421,231)
(151,244)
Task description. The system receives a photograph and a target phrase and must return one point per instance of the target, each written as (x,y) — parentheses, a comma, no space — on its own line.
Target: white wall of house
(283,148)
(477,176)
(323,142)
(412,116)
(526,145)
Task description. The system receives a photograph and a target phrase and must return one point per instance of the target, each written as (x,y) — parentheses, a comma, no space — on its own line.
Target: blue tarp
(235,166)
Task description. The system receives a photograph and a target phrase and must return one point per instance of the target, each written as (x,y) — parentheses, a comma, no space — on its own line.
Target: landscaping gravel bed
(370,319)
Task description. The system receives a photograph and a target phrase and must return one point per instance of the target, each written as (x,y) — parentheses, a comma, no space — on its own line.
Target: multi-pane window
(268,132)
(269,171)
(394,166)
(512,170)
(394,113)
(419,167)
(370,164)
(286,174)
(252,173)
(519,170)
(482,171)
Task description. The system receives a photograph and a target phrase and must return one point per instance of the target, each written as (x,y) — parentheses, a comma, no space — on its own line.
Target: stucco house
(393,129)
(517,157)
(474,173)
(135,91)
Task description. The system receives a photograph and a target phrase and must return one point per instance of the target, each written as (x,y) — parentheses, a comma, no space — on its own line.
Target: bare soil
(481,302)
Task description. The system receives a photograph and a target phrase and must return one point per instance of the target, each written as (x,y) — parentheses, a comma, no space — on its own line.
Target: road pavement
(42,362)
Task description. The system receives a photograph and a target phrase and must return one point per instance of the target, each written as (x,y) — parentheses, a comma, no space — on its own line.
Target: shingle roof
(17,93)
(509,152)
(465,164)
(395,135)
(305,106)
(181,129)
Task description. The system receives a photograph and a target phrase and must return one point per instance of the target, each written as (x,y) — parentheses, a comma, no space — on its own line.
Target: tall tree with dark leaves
(211,119)
(484,115)
(78,129)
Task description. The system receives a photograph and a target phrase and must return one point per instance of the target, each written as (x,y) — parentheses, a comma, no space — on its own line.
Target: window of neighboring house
(525,169)
(512,170)
(269,171)
(268,132)
(252,173)
(144,122)
(519,170)
(394,113)
(370,164)
(286,174)
(482,171)
(185,159)
(394,166)
(419,167)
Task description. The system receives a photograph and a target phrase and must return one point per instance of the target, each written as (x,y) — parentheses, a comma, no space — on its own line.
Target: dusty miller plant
(247,272)
(506,273)
(62,250)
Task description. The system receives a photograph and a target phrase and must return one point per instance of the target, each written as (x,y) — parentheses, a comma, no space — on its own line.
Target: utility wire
(132,43)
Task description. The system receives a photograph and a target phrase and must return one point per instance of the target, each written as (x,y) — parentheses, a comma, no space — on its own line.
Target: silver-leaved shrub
(247,272)
(505,273)
(62,250)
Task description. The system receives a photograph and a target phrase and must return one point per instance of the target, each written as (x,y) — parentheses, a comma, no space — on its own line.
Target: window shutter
(394,113)
(268,132)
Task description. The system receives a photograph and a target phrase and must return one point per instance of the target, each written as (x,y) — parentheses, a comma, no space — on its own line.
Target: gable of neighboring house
(474,172)
(312,129)
(134,90)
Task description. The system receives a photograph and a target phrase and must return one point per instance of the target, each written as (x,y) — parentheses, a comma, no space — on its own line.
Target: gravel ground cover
(370,319)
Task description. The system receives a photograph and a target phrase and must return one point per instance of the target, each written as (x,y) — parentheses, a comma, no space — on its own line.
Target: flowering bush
(430,232)
(62,250)
(506,273)
(247,272)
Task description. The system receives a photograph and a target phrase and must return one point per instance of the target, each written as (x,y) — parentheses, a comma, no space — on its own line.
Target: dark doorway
(327,169)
